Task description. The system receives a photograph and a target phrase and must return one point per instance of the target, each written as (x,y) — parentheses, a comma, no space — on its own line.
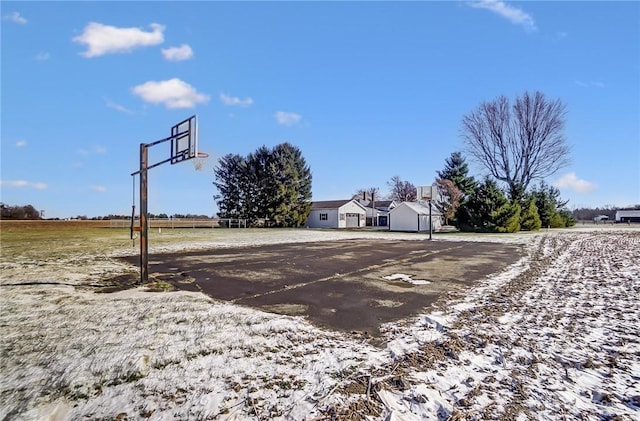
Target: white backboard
(427,193)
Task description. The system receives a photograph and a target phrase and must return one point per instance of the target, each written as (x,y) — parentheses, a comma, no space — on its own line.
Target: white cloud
(23,184)
(287,119)
(16,18)
(117,107)
(512,14)
(98,188)
(572,182)
(592,84)
(105,39)
(21,143)
(235,101)
(173,93)
(95,150)
(184,52)
(43,56)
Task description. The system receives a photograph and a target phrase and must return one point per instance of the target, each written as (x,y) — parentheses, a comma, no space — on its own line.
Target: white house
(413,217)
(379,214)
(628,215)
(337,214)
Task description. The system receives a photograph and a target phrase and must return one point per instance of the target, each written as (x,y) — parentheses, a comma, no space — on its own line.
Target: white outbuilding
(414,217)
(337,214)
(628,215)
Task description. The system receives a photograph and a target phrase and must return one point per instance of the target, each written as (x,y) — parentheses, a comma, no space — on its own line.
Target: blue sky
(366,90)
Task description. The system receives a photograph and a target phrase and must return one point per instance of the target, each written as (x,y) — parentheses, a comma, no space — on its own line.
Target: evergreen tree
(478,212)
(530,220)
(262,186)
(507,217)
(567,217)
(274,184)
(556,221)
(232,182)
(549,203)
(292,199)
(457,170)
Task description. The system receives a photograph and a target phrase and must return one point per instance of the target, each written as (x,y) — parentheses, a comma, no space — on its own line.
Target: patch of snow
(405,278)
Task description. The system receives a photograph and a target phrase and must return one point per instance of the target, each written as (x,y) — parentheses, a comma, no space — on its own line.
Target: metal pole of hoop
(430,223)
(144,222)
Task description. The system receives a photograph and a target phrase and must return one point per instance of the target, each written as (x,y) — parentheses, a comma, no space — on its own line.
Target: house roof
(628,212)
(380,203)
(418,208)
(332,204)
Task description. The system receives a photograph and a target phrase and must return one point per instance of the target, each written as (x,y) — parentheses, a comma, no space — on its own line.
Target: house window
(342,217)
(324,216)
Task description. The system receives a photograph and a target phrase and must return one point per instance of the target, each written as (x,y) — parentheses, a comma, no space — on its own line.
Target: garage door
(353,220)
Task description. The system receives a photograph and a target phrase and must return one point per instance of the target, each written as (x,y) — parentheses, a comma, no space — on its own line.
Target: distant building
(337,214)
(628,215)
(378,211)
(600,218)
(414,217)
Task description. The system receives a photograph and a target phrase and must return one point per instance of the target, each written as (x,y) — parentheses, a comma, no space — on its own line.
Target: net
(200,160)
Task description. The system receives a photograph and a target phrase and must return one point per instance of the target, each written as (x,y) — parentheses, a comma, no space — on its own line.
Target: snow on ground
(554,336)
(165,356)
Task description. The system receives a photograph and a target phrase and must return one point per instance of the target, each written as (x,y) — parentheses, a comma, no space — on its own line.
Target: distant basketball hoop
(427,193)
(200,160)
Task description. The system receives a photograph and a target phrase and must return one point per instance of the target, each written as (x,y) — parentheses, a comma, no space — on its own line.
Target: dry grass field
(22,225)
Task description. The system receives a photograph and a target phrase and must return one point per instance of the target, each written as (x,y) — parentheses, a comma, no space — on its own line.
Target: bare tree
(518,144)
(449,197)
(402,191)
(372,193)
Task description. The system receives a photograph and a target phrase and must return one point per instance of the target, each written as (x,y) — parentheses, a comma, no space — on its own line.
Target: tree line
(517,144)
(272,185)
(19,212)
(484,206)
(29,212)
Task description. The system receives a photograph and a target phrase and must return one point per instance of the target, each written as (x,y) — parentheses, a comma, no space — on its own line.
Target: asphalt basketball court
(353,285)
(341,285)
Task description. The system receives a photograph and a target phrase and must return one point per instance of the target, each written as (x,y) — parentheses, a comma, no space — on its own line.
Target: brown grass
(12,225)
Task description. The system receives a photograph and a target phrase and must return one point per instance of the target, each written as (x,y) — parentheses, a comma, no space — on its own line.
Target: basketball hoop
(199,160)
